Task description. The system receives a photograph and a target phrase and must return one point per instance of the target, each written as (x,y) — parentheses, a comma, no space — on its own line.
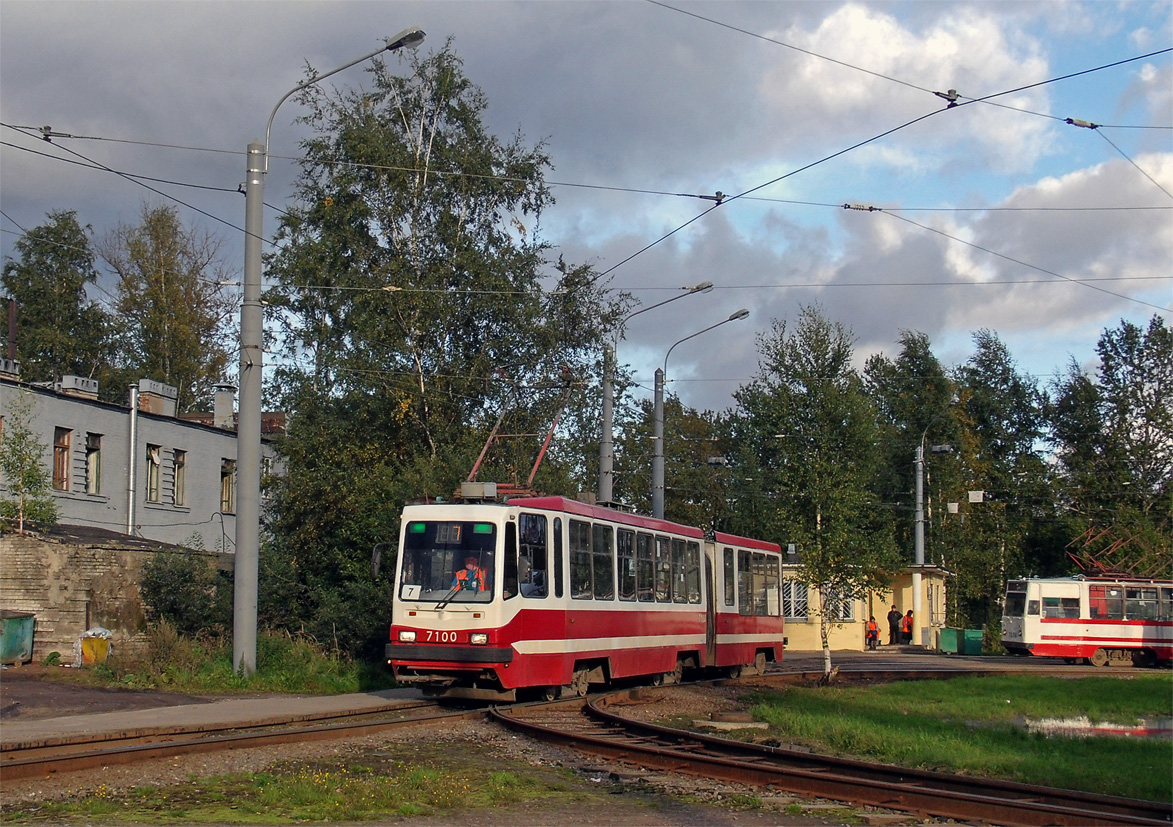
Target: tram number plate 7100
(432,636)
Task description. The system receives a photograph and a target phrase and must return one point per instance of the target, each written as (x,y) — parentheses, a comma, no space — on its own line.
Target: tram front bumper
(398,652)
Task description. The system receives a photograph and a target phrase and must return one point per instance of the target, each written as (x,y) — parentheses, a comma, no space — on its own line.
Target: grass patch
(974,726)
(285,663)
(295,792)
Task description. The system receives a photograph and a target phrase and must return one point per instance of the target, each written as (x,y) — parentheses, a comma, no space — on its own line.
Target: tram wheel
(1144,658)
(1099,658)
(550,693)
(579,684)
(759,664)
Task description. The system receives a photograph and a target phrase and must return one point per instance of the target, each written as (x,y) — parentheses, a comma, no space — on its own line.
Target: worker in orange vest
(906,628)
(873,633)
(471,577)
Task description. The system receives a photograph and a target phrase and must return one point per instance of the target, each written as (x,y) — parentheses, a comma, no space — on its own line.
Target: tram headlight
(407,637)
(478,638)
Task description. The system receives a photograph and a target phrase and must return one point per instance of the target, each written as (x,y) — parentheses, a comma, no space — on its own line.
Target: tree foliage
(813,431)
(185,590)
(173,314)
(61,331)
(416,301)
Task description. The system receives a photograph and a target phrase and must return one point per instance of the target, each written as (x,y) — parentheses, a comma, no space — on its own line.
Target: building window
(838,606)
(228,486)
(179,491)
(93,463)
(61,440)
(153,474)
(794,600)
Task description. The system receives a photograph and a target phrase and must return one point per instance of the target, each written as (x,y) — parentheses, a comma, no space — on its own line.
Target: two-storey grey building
(137,468)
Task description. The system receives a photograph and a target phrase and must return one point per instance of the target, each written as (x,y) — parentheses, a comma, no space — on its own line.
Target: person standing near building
(894,626)
(906,629)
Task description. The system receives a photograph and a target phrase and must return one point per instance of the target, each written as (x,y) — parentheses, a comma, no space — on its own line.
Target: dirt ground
(611,794)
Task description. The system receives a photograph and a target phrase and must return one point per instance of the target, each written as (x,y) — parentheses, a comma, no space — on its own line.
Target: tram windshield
(448,562)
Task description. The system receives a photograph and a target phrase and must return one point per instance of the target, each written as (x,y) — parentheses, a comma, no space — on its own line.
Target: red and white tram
(1094,618)
(559,594)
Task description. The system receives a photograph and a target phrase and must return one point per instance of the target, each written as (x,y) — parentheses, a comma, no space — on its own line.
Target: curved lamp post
(658,433)
(606,443)
(919,626)
(248,428)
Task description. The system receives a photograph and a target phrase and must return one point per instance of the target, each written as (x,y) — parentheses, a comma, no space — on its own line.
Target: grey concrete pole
(248,427)
(606,442)
(918,623)
(658,453)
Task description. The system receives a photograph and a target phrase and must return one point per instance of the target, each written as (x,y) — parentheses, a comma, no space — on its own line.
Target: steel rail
(928,793)
(88,753)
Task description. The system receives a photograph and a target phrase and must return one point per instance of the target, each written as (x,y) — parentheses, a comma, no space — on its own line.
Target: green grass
(974,726)
(203,665)
(314,792)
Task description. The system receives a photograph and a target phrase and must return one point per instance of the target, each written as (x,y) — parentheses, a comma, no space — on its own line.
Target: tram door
(710,609)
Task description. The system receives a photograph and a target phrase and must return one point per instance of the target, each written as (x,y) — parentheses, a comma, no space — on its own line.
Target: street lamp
(248,428)
(658,433)
(919,522)
(606,444)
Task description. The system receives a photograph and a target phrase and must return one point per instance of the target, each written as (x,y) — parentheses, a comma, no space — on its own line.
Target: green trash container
(16,636)
(972,643)
(949,640)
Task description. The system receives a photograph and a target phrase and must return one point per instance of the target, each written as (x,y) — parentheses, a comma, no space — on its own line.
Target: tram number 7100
(441,637)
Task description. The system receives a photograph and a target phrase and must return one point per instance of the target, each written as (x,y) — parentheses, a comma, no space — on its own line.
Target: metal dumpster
(971,643)
(950,640)
(16,636)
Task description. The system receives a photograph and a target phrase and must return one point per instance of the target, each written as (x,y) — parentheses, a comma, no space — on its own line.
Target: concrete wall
(74,586)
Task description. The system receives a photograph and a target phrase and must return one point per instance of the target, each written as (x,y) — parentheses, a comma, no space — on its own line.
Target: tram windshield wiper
(444,601)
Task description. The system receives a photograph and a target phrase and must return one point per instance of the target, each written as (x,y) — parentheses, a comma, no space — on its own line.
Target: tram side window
(509,581)
(679,594)
(625,549)
(759,583)
(730,575)
(1166,604)
(1105,602)
(773,587)
(533,564)
(558,578)
(1061,607)
(744,582)
(1140,604)
(663,570)
(604,562)
(1032,608)
(580,560)
(645,570)
(692,571)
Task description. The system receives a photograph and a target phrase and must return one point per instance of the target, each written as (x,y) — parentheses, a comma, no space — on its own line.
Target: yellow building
(802,610)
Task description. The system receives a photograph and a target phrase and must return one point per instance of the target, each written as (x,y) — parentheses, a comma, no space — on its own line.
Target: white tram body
(1096,619)
(574,594)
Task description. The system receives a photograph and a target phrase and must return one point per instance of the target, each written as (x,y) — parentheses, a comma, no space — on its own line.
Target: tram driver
(471,577)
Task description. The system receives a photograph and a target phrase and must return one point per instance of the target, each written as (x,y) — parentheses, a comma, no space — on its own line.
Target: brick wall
(72,587)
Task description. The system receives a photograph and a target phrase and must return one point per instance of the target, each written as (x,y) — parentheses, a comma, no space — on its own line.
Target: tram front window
(448,561)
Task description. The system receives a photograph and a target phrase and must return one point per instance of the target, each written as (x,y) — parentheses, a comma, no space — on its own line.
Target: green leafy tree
(415,302)
(174,315)
(1113,436)
(1000,419)
(812,432)
(24,470)
(60,330)
(184,589)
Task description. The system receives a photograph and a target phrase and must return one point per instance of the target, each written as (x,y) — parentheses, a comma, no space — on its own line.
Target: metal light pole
(248,428)
(918,534)
(658,423)
(606,443)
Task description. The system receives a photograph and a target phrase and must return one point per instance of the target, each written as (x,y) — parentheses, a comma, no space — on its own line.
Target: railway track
(47,756)
(590,727)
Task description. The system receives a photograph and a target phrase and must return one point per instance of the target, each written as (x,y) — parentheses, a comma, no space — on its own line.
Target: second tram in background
(552,595)
(1096,619)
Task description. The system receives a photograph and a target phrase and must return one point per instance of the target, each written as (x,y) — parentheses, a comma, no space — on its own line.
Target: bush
(185,590)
